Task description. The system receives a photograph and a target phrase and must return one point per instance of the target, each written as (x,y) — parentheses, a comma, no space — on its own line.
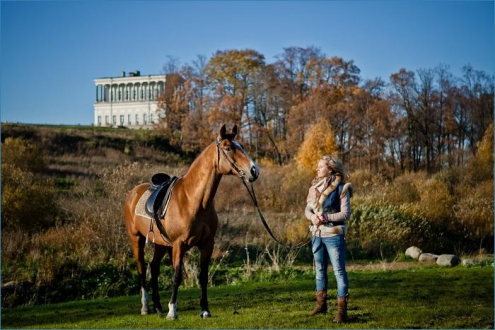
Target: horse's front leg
(206,252)
(178,252)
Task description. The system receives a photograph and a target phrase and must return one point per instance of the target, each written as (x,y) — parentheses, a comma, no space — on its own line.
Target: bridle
(241,174)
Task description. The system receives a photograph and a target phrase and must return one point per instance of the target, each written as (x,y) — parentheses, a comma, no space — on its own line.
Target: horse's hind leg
(155,271)
(138,242)
(178,252)
(206,253)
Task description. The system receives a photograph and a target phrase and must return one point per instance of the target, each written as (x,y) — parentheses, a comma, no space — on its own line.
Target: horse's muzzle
(255,173)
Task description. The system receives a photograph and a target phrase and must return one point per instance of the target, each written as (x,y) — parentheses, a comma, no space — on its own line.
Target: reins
(255,202)
(252,194)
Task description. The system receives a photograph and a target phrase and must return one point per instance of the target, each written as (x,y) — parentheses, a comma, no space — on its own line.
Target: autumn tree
(231,75)
(318,142)
(173,103)
(420,120)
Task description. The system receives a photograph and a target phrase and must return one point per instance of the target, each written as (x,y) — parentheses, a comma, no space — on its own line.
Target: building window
(129,117)
(99,120)
(126,95)
(106,120)
(137,119)
(141,94)
(121,119)
(145,119)
(152,118)
(120,96)
(114,119)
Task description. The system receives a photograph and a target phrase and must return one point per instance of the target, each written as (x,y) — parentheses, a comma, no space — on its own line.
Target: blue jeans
(333,247)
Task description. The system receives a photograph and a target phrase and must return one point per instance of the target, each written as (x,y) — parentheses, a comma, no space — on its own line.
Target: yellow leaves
(485,147)
(319,141)
(233,68)
(481,165)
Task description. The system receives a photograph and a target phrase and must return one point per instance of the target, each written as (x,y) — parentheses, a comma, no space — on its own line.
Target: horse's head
(233,159)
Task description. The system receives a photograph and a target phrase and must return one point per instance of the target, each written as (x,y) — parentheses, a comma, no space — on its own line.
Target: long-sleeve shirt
(343,215)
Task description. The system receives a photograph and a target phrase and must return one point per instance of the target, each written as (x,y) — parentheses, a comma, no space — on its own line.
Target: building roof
(140,76)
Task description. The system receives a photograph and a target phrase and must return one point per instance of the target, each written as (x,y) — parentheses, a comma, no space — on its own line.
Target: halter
(240,173)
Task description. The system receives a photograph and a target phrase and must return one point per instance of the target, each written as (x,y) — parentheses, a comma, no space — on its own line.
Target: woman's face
(322,169)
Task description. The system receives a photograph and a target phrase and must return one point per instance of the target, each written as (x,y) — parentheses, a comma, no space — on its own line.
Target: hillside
(84,150)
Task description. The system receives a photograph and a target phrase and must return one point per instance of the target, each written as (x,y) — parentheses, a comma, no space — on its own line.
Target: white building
(128,101)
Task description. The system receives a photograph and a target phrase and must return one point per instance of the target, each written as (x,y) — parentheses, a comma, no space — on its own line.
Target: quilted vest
(332,203)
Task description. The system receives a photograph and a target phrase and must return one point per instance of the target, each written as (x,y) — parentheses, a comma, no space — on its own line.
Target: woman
(328,208)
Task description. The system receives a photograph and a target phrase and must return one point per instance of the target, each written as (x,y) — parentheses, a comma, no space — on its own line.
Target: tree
(318,142)
(173,102)
(481,165)
(232,74)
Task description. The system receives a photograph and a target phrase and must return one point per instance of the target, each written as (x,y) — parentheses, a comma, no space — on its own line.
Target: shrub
(385,229)
(28,201)
(16,152)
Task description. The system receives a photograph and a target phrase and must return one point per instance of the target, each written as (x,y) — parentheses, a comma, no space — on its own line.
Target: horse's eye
(228,148)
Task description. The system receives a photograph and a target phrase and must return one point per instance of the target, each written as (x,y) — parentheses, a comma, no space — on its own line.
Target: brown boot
(321,303)
(341,309)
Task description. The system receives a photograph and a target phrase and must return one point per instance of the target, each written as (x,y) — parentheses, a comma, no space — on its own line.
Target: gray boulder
(413,252)
(469,262)
(428,257)
(449,260)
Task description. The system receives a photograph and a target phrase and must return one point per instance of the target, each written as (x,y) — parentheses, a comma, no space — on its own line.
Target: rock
(413,252)
(448,260)
(428,257)
(469,262)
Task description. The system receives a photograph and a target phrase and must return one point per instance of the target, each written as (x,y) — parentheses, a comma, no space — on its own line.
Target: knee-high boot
(321,303)
(341,309)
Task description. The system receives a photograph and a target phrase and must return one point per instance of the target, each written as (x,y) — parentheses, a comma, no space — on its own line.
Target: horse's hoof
(205,314)
(171,317)
(159,310)
(145,311)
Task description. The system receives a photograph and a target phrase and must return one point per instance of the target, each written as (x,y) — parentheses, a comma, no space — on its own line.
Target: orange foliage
(319,142)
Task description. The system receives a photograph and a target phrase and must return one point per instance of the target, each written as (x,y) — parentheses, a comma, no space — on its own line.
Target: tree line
(416,120)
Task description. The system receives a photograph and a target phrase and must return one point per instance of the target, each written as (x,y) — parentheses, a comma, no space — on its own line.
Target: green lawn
(426,297)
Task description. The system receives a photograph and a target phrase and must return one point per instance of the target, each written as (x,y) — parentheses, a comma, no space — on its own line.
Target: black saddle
(160,186)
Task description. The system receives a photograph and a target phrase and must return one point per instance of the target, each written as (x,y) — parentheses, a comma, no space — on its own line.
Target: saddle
(156,206)
(160,187)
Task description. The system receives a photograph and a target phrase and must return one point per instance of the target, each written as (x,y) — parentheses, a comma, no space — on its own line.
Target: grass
(425,297)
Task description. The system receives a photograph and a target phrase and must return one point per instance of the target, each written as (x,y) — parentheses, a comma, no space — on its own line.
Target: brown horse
(191,219)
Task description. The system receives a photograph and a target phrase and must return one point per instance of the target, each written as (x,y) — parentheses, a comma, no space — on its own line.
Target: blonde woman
(328,207)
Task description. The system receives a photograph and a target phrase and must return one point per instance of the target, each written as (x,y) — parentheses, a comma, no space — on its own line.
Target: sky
(51,51)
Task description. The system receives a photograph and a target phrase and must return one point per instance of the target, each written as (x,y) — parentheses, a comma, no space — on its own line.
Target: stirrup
(147,240)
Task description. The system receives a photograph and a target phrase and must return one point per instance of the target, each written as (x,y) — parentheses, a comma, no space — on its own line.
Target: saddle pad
(140,207)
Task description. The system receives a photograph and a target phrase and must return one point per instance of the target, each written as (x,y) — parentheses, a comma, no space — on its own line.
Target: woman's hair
(336,166)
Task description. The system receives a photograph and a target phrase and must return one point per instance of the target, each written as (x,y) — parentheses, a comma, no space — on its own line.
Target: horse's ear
(223,132)
(234,131)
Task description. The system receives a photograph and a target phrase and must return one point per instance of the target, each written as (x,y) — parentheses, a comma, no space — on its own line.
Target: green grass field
(425,297)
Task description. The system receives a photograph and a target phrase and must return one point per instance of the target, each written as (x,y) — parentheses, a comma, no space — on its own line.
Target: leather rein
(242,175)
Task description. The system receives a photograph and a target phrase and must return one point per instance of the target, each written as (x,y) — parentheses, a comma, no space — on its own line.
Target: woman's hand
(317,220)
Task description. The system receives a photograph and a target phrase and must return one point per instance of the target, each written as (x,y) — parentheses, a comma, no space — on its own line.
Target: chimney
(123,73)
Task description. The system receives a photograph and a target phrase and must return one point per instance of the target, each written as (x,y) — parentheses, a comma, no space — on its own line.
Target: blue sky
(52,51)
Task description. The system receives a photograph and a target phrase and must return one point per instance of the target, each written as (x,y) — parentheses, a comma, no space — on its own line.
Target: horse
(190,220)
